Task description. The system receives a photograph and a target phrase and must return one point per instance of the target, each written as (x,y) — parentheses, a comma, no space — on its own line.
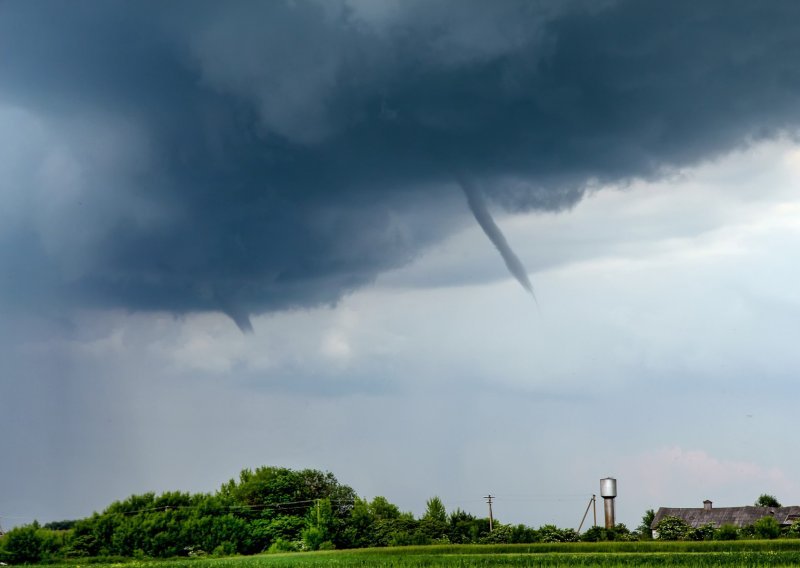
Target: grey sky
(289,162)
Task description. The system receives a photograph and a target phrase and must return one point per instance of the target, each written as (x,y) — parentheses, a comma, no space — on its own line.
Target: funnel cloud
(477,205)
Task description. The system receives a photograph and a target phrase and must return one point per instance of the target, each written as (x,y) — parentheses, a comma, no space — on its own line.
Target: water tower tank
(608,487)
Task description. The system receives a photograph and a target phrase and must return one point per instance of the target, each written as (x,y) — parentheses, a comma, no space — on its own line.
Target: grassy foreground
(738,553)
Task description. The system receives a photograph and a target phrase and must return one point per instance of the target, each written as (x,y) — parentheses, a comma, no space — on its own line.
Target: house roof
(736,516)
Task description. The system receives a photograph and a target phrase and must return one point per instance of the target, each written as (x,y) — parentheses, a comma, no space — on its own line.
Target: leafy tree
(524,535)
(272,491)
(320,525)
(395,532)
(433,523)
(466,528)
(672,528)
(382,509)
(551,533)
(59,525)
(501,534)
(359,530)
(767,527)
(24,544)
(644,527)
(594,534)
(435,511)
(765,500)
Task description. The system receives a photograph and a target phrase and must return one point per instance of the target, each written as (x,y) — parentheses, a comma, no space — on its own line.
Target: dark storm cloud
(252,156)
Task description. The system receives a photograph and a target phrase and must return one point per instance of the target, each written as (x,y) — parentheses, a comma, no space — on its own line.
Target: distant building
(736,516)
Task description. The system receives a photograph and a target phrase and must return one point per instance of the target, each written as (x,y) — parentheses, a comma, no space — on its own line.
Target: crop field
(740,553)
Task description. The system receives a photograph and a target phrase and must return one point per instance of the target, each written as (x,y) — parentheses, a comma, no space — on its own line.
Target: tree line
(275,509)
(266,509)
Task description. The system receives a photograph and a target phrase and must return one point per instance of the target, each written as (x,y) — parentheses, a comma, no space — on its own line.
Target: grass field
(738,553)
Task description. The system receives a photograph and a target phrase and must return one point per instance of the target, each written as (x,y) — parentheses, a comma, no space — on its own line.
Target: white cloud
(678,477)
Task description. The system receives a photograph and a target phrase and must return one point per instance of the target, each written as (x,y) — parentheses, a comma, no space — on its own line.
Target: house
(736,516)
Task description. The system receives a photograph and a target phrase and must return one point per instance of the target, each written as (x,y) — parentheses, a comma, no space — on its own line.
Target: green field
(738,553)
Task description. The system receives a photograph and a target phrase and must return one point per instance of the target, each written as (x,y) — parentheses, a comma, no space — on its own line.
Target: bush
(672,528)
(502,534)
(282,545)
(644,528)
(313,537)
(594,534)
(748,531)
(24,544)
(767,527)
(522,534)
(705,532)
(792,531)
(551,533)
(400,538)
(726,532)
(623,534)
(225,548)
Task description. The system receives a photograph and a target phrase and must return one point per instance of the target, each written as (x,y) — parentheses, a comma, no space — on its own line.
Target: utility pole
(591,502)
(489,498)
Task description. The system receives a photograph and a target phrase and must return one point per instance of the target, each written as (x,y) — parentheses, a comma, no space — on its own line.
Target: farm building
(736,516)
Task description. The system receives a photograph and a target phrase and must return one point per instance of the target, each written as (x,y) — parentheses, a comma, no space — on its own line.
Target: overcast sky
(239,234)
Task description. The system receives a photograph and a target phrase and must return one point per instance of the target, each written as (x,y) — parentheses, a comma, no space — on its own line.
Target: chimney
(707,505)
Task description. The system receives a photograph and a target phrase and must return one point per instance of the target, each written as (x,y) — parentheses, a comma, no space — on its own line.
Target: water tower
(608,491)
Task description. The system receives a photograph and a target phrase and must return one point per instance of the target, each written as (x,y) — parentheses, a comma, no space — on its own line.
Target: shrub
(792,531)
(313,537)
(551,533)
(644,528)
(704,532)
(522,534)
(767,527)
(400,538)
(672,528)
(726,532)
(594,534)
(282,545)
(24,544)
(748,531)
(225,548)
(502,534)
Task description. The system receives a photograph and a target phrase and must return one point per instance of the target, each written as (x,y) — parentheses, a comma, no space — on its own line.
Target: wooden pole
(586,512)
(491,519)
